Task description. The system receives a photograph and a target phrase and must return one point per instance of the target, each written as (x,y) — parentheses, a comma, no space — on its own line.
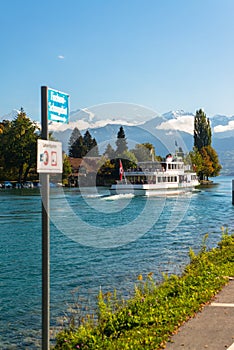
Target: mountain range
(166,132)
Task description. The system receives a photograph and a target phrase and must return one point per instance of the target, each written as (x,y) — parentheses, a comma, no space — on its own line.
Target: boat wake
(96,195)
(118,196)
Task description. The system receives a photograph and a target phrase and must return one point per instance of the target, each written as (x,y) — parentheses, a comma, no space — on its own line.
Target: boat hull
(152,190)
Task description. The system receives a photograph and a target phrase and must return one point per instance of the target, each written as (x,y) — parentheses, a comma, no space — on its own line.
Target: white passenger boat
(170,177)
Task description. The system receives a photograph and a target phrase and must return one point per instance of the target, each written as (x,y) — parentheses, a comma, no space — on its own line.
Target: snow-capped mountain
(144,125)
(134,115)
(223,126)
(220,120)
(178,120)
(105,114)
(163,131)
(184,121)
(177,114)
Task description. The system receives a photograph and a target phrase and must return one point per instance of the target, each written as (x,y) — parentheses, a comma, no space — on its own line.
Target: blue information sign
(58,106)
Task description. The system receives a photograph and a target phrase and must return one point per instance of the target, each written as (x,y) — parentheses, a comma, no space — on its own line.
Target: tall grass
(152,315)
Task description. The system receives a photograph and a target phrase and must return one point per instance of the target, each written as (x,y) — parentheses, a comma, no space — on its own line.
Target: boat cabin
(168,171)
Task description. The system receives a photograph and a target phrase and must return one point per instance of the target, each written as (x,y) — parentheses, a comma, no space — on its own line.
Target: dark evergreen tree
(87,140)
(90,145)
(202,130)
(121,142)
(76,144)
(79,146)
(94,152)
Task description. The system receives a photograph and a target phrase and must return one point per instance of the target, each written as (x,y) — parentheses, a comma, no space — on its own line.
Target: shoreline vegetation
(148,319)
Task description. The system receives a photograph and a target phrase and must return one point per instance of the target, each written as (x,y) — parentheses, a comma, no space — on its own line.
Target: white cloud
(61,57)
(223,128)
(184,123)
(62,127)
(82,124)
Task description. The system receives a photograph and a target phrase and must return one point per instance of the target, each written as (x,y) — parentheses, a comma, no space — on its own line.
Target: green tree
(207,168)
(144,152)
(109,152)
(74,136)
(107,171)
(18,146)
(150,147)
(87,141)
(4,127)
(121,142)
(205,162)
(67,169)
(215,160)
(214,167)
(76,144)
(90,145)
(79,146)
(129,160)
(202,130)
(204,157)
(94,152)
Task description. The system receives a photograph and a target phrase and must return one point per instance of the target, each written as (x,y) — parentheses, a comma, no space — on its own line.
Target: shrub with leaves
(149,318)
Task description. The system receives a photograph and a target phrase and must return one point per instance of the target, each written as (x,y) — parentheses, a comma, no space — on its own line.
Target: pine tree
(80,146)
(121,142)
(94,152)
(90,145)
(88,140)
(76,144)
(73,138)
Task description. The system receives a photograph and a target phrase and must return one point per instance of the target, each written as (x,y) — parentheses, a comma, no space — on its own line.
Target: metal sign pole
(45,230)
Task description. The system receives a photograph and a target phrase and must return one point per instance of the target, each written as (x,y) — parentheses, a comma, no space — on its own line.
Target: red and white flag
(121,170)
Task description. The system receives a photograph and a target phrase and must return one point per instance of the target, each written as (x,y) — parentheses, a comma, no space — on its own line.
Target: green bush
(149,318)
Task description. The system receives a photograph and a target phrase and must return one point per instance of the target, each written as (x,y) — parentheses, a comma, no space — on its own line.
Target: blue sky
(163,54)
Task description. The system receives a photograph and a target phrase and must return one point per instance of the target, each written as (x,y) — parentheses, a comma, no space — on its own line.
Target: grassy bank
(147,320)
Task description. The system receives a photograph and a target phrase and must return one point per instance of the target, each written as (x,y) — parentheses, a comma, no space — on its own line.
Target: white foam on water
(119,196)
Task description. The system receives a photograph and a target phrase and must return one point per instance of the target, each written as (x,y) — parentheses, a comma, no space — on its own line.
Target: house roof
(90,164)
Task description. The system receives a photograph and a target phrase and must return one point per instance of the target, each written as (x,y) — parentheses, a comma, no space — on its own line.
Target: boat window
(171,179)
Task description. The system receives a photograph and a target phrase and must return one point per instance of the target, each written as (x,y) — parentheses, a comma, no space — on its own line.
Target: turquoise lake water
(96,241)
